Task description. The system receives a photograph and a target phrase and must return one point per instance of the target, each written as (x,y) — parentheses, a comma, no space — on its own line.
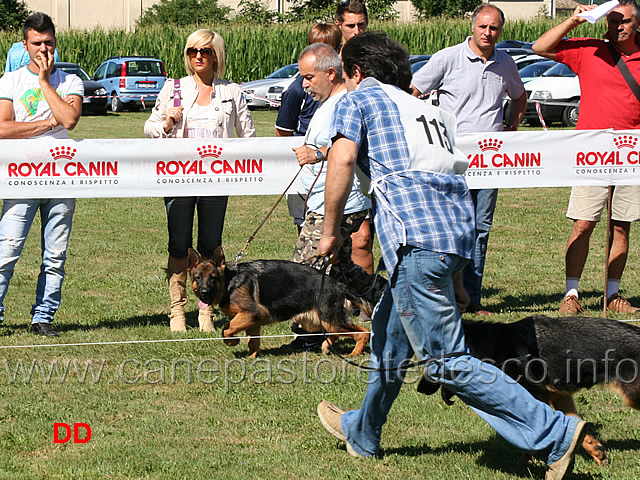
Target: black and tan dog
(261,292)
(555,357)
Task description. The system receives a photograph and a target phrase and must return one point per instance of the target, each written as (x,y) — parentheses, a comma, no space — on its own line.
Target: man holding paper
(607,101)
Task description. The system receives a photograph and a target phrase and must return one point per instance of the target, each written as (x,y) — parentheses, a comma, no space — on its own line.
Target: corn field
(254,51)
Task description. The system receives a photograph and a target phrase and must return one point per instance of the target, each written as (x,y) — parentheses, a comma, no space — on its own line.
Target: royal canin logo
(625,141)
(612,158)
(490,144)
(209,151)
(63,152)
(209,163)
(491,157)
(62,164)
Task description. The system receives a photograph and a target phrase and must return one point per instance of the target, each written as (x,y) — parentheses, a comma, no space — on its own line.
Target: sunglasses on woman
(205,52)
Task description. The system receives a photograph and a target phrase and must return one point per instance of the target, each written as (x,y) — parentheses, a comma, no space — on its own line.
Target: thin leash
(255,232)
(253,235)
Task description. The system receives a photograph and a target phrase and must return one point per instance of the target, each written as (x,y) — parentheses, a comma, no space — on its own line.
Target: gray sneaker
(558,469)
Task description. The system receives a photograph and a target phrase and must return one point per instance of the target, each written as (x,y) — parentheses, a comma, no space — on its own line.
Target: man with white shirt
(321,72)
(38,101)
(472,79)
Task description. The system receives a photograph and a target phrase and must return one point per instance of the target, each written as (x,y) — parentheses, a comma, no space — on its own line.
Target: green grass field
(189,407)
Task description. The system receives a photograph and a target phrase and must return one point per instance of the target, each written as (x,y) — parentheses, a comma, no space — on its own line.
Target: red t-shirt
(606,98)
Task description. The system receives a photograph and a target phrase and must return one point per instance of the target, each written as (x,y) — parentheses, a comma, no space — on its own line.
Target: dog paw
(232,342)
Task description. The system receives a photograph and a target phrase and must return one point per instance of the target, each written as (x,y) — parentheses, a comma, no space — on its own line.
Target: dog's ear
(218,258)
(193,259)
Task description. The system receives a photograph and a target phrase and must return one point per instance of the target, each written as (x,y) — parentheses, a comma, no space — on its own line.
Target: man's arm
(65,112)
(340,171)
(12,129)
(546,45)
(516,112)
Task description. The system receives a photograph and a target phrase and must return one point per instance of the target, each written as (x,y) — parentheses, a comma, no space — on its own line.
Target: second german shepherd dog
(555,357)
(260,292)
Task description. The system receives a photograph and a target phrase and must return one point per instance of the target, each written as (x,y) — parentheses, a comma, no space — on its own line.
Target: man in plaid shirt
(423,214)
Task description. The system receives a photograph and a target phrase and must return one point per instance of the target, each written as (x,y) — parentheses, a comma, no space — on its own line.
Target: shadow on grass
(498,455)
(532,304)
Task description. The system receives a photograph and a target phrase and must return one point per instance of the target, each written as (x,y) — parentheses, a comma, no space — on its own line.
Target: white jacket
(226,96)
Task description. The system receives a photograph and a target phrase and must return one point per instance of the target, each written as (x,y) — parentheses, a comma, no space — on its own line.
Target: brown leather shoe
(616,303)
(570,306)
(478,310)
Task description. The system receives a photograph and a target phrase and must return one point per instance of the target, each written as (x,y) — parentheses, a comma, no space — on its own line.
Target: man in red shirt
(606,101)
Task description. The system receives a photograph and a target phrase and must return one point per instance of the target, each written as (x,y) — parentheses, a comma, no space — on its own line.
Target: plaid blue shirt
(411,207)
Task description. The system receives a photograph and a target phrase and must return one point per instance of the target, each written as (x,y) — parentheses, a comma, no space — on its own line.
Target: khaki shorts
(587,203)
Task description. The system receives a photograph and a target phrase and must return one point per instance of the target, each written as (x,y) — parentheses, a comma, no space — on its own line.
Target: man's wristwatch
(319,155)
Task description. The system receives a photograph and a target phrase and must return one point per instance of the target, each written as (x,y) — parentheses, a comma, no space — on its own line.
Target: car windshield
(142,68)
(559,70)
(535,69)
(285,72)
(76,71)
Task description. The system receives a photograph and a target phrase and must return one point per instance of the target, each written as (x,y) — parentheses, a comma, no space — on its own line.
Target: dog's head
(207,276)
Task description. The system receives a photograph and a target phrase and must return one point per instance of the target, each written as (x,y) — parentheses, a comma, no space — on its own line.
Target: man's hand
(305,155)
(329,246)
(546,45)
(45,63)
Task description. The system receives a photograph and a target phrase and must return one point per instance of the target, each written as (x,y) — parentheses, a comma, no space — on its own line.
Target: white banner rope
(51,168)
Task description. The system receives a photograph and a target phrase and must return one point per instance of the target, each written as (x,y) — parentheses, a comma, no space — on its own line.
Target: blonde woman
(209,107)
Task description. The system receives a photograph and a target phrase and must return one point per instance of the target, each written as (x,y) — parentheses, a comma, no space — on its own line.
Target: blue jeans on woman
(418,314)
(17,216)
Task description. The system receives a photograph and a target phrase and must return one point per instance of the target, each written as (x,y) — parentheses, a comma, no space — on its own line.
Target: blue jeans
(484,202)
(17,216)
(180,211)
(418,314)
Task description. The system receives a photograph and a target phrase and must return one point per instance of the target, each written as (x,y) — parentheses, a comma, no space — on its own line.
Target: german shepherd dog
(555,357)
(260,292)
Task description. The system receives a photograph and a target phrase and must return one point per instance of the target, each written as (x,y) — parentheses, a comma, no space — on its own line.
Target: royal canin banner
(50,168)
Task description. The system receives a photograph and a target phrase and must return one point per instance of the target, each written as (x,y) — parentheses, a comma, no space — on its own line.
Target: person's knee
(583,228)
(361,240)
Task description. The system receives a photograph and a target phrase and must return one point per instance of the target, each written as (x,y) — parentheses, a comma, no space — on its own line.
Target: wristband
(51,123)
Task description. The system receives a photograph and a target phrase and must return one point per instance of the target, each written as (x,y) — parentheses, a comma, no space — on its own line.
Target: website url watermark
(313,370)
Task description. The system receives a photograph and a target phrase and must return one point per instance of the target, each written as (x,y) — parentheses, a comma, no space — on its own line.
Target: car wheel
(116,104)
(570,116)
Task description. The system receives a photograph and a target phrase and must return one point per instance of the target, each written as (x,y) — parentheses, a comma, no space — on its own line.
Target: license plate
(146,85)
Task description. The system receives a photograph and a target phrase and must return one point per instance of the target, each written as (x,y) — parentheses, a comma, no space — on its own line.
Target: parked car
(91,89)
(515,47)
(523,61)
(558,84)
(267,92)
(529,67)
(131,81)
(535,70)
(418,61)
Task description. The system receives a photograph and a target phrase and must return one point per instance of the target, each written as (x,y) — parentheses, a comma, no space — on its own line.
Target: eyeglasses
(205,52)
(345,3)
